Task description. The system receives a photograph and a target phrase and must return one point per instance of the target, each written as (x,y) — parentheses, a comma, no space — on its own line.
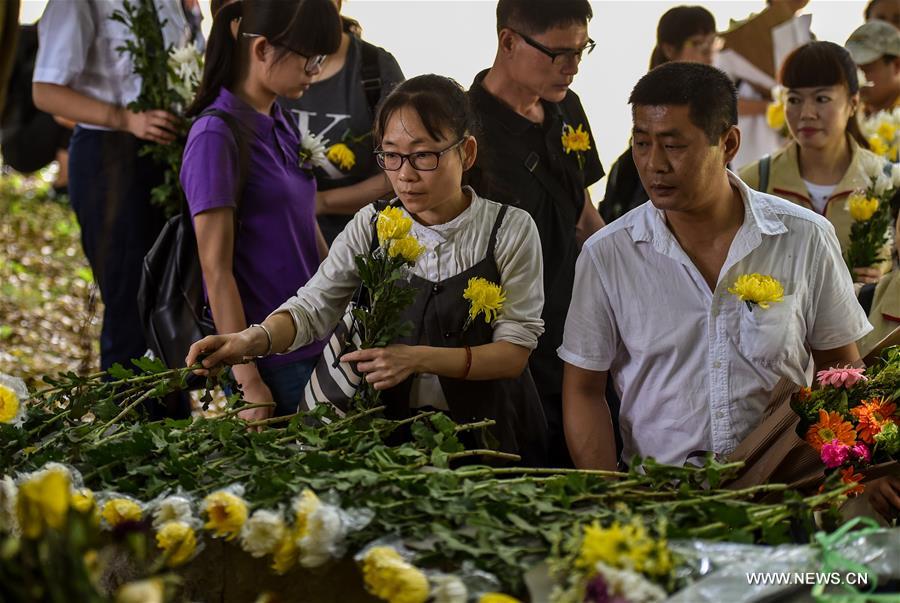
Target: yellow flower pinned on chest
(342,156)
(862,208)
(485,298)
(392,224)
(757,289)
(576,140)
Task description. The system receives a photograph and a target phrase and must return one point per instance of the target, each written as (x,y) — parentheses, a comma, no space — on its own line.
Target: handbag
(171,304)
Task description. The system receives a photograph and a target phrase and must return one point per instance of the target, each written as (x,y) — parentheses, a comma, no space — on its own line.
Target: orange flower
(804,394)
(831,426)
(848,477)
(871,415)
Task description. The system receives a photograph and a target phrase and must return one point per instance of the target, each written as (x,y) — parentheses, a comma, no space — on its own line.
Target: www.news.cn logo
(806,578)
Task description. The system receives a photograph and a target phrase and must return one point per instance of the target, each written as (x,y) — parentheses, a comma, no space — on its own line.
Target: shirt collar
(432,236)
(760,216)
(789,180)
(258,123)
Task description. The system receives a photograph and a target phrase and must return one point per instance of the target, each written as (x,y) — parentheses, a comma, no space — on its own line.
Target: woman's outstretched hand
(386,367)
(229,349)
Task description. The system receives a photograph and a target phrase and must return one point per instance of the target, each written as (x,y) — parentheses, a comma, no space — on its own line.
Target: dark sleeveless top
(438,315)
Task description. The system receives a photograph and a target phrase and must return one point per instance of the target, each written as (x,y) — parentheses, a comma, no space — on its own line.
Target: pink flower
(861,453)
(841,377)
(835,454)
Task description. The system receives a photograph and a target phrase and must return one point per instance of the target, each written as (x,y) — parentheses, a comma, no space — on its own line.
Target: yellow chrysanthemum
(878,146)
(120,510)
(305,505)
(340,155)
(226,514)
(285,556)
(627,546)
(389,577)
(862,208)
(886,131)
(392,224)
(82,500)
(178,541)
(575,140)
(497,598)
(775,116)
(43,501)
(9,404)
(485,297)
(757,288)
(408,248)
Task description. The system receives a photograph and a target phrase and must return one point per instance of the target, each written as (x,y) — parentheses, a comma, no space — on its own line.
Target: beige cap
(872,41)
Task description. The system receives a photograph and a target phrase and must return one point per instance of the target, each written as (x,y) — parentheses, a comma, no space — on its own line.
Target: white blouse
(450,249)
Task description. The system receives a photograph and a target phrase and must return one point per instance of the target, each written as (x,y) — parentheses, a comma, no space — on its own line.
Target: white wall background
(457,38)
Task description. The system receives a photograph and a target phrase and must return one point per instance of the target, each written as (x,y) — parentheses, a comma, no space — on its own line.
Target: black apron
(438,315)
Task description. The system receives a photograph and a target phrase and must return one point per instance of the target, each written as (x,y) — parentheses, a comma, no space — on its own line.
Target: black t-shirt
(337,110)
(524,164)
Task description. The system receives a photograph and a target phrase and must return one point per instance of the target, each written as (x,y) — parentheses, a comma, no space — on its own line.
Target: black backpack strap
(492,242)
(370,71)
(379,206)
(237,131)
(765,166)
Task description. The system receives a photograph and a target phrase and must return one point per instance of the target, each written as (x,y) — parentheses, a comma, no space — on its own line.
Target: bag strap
(765,166)
(370,71)
(237,131)
(492,242)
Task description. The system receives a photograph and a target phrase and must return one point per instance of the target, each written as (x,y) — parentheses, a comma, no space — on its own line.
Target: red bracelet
(468,362)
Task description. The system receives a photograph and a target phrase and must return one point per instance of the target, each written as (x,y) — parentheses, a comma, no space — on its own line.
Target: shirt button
(433,276)
(720,414)
(717,364)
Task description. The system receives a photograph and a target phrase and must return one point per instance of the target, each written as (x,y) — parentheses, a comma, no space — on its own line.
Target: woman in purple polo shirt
(256,259)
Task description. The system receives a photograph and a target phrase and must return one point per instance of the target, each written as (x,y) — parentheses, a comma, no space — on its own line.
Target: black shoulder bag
(170,298)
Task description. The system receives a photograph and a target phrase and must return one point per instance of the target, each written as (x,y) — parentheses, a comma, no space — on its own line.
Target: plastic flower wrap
(178,542)
(342,156)
(9,496)
(117,510)
(13,394)
(43,499)
(388,576)
(757,289)
(176,507)
(226,512)
(263,533)
(312,151)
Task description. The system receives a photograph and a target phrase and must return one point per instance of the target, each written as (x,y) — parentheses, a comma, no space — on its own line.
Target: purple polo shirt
(275,248)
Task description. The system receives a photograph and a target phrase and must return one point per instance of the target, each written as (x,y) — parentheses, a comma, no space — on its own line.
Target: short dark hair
(533,17)
(440,102)
(867,14)
(677,25)
(709,94)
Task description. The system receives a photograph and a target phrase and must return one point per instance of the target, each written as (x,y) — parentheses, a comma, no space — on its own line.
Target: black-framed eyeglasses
(313,63)
(423,161)
(574,54)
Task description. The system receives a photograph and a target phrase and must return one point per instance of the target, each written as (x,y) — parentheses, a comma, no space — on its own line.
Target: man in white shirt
(695,365)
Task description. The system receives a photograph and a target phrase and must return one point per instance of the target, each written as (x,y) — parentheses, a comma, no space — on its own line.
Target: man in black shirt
(536,151)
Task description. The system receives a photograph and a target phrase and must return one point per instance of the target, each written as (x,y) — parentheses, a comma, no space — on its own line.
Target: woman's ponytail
(221,60)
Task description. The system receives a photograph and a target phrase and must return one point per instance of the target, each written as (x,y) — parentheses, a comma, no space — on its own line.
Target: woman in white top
(425,144)
(81,75)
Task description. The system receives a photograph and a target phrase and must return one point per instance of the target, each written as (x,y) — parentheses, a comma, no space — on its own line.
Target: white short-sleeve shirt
(694,368)
(79,42)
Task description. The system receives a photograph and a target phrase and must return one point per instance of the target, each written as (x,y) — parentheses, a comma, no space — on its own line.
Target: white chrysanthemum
(172,508)
(262,533)
(630,585)
(873,166)
(448,589)
(187,64)
(9,493)
(313,150)
(883,183)
(325,531)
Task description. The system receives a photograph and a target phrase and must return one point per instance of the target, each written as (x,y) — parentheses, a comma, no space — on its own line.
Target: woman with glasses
(474,370)
(684,33)
(255,219)
(339,107)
